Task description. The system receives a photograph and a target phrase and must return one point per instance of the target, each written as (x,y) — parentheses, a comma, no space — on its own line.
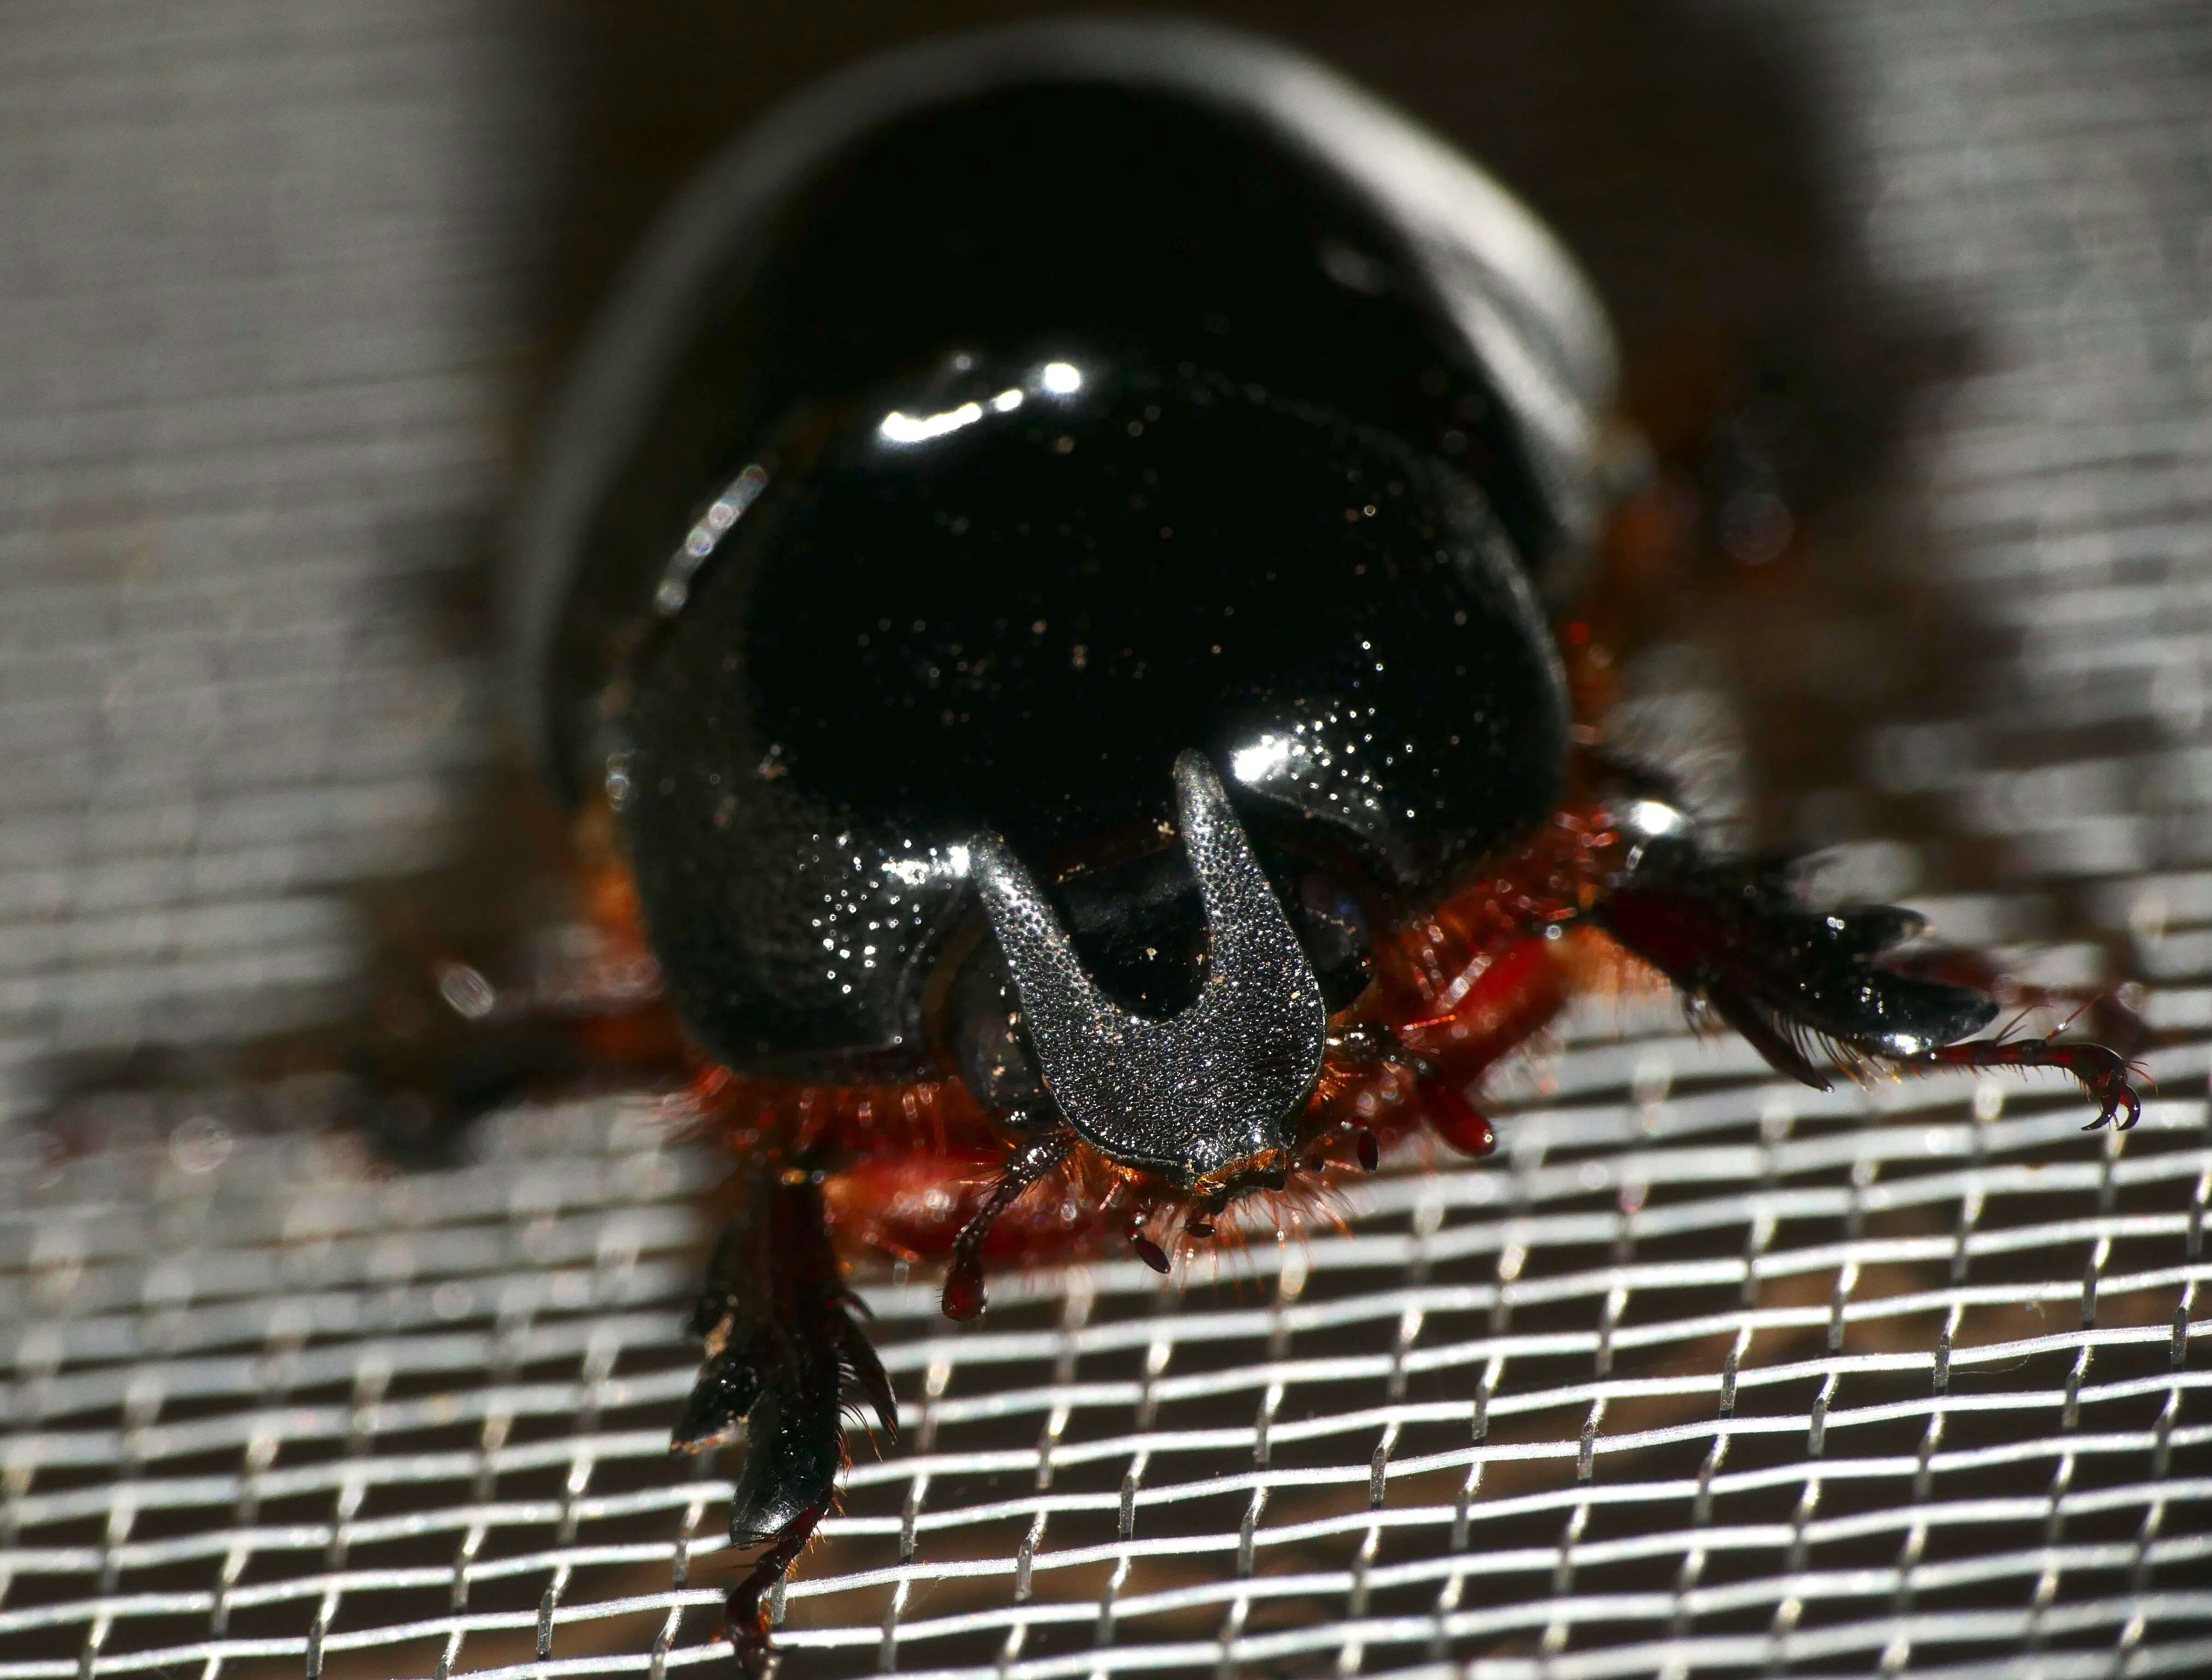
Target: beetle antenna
(963,1276)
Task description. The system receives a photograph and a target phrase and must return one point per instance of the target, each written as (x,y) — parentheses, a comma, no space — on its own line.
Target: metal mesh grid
(1703,1373)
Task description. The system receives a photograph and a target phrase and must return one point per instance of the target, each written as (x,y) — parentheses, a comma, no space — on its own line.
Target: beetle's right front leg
(782,1343)
(1803,986)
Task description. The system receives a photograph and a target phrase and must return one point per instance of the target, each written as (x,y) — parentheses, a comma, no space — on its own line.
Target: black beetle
(1051,561)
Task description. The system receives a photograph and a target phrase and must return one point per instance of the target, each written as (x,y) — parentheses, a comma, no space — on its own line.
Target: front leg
(1806,988)
(782,1345)
(2103,1071)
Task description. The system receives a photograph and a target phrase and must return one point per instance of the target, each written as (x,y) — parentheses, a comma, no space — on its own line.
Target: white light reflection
(1260,761)
(898,427)
(914,871)
(1653,821)
(1060,378)
(699,543)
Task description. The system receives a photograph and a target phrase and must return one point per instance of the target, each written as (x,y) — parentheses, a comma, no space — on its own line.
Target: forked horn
(1217,1084)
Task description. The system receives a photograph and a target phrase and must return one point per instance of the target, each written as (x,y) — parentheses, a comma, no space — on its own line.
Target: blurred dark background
(1682,149)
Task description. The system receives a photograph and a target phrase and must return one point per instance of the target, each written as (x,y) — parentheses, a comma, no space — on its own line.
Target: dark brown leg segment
(963,1276)
(783,1345)
(1807,987)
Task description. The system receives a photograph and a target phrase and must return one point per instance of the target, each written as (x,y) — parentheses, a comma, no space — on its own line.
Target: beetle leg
(745,1606)
(2102,1072)
(1807,987)
(783,1345)
(963,1276)
(1439,1027)
(2105,1014)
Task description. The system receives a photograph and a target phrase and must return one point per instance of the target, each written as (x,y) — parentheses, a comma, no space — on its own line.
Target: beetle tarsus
(746,1607)
(2103,1072)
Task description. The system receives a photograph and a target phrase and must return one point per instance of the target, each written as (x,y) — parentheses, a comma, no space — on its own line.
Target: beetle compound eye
(991,1048)
(1333,926)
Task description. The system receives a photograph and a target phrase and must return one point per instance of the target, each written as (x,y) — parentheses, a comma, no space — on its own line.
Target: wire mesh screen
(1702,1373)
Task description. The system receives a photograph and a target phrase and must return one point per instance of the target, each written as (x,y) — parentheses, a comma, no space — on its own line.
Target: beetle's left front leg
(782,1343)
(1804,987)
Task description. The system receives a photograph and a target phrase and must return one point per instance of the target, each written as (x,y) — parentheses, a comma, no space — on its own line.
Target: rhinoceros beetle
(1051,567)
